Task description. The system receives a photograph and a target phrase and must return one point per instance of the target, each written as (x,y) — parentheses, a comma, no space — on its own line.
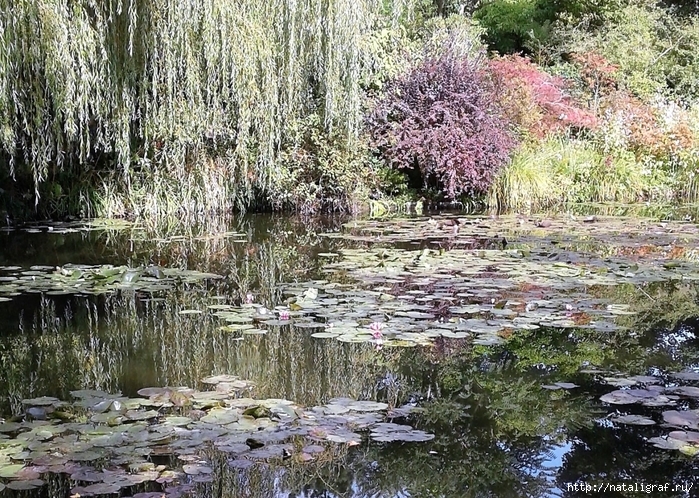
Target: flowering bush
(444,119)
(537,101)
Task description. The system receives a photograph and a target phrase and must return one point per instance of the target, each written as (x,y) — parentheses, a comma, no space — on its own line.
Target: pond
(433,355)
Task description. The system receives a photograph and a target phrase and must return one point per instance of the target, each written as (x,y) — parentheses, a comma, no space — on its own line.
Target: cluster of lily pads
(89,279)
(647,391)
(403,297)
(108,442)
(601,232)
(65,227)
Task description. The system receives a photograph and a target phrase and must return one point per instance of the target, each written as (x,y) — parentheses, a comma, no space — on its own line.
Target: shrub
(536,101)
(653,49)
(513,25)
(321,171)
(444,119)
(597,73)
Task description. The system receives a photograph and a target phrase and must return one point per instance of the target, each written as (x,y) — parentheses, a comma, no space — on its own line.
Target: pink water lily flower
(375,328)
(249,298)
(284,315)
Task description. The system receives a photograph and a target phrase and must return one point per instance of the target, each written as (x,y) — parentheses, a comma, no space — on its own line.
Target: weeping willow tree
(131,94)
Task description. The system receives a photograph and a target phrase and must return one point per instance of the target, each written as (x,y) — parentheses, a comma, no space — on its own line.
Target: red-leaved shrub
(444,118)
(596,71)
(537,101)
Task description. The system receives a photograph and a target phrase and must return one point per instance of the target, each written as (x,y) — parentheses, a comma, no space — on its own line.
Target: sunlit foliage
(162,92)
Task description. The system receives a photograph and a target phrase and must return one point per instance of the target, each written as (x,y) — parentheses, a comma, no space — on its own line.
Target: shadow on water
(498,431)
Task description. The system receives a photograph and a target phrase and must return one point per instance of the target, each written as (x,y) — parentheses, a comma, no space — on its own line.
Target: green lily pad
(101,488)
(367,406)
(196,469)
(25,485)
(221,416)
(10,470)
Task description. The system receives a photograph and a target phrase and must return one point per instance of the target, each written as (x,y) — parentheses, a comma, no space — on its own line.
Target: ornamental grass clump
(444,119)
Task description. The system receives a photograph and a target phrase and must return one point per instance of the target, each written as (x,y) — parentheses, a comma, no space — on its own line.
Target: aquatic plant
(119,432)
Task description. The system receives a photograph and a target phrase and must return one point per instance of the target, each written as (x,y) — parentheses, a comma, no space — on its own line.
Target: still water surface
(497,431)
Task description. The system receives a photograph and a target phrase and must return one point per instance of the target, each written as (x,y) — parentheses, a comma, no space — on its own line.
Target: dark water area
(502,426)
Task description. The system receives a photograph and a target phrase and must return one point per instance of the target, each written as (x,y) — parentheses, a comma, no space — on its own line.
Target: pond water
(436,355)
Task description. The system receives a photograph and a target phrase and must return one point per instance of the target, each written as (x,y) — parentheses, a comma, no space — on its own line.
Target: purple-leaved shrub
(444,118)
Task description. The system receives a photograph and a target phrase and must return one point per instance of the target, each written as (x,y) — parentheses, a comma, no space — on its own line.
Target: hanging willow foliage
(133,86)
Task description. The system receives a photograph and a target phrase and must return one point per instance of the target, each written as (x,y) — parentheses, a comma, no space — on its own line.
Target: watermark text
(637,487)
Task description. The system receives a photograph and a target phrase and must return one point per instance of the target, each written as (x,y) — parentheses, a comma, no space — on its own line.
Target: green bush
(654,49)
(319,171)
(513,25)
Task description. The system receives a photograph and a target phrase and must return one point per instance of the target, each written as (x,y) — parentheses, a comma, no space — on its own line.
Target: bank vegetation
(129,108)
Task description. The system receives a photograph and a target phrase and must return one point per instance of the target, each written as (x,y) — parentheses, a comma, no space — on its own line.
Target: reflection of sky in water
(551,460)
(673,341)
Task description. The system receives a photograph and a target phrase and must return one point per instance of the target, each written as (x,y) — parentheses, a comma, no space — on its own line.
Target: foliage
(566,170)
(444,119)
(513,25)
(537,101)
(116,90)
(324,173)
(653,49)
(526,183)
(596,74)
(662,130)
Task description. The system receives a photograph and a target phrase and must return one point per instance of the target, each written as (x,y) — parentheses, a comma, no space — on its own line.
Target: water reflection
(498,432)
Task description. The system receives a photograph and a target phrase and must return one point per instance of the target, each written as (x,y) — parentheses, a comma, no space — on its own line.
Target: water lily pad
(216,379)
(688,418)
(367,406)
(196,469)
(667,443)
(344,437)
(153,391)
(634,420)
(686,436)
(10,470)
(640,396)
(86,456)
(325,335)
(9,427)
(25,485)
(689,391)
(221,416)
(688,376)
(42,401)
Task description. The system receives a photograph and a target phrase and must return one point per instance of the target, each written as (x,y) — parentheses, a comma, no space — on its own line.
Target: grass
(561,171)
